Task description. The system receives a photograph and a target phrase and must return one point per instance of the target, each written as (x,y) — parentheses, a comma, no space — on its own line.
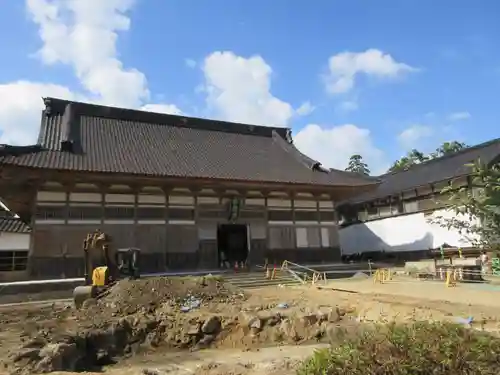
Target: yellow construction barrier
(382,275)
(451,279)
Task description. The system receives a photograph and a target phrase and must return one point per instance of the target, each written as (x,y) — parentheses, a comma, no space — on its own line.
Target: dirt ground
(145,328)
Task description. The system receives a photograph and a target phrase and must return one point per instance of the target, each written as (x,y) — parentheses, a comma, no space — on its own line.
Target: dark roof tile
(10,223)
(85,137)
(436,170)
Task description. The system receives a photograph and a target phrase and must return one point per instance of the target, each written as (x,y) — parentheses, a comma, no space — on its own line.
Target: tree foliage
(477,211)
(357,165)
(418,348)
(448,148)
(416,157)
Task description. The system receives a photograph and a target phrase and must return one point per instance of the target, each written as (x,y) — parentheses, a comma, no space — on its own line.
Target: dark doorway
(232,243)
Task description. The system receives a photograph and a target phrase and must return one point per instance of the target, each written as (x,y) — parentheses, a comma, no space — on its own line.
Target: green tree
(477,211)
(413,157)
(448,148)
(357,165)
(416,157)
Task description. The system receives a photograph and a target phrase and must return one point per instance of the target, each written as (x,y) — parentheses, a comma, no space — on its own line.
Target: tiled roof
(436,170)
(90,138)
(11,224)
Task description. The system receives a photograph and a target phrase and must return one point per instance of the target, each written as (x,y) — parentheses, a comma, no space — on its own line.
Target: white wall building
(412,232)
(397,216)
(15,238)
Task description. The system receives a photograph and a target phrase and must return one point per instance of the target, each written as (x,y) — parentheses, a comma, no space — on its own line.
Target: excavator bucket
(82,294)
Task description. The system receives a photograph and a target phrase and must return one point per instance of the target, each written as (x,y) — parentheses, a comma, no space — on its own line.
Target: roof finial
(48,106)
(288,136)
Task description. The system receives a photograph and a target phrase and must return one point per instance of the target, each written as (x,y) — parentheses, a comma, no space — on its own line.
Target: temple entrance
(232,243)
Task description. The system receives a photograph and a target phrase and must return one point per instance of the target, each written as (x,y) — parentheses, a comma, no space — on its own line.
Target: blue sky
(359,76)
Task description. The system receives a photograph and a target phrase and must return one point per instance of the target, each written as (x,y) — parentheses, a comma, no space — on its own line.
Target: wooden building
(395,218)
(181,189)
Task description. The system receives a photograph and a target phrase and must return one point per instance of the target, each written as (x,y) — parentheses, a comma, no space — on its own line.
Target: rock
(273,320)
(207,339)
(309,319)
(255,323)
(30,354)
(35,343)
(250,320)
(322,316)
(334,316)
(193,329)
(287,328)
(58,357)
(204,342)
(211,325)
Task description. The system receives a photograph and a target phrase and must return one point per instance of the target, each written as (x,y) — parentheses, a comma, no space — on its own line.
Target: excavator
(104,267)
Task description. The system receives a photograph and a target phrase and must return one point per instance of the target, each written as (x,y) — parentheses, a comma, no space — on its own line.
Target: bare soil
(142,327)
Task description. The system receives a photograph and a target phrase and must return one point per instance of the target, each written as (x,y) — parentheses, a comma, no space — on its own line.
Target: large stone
(250,320)
(193,329)
(211,325)
(334,315)
(288,330)
(309,319)
(58,357)
(322,316)
(28,354)
(255,324)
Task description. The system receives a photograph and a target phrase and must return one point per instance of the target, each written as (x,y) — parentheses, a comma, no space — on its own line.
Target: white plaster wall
(401,233)
(14,241)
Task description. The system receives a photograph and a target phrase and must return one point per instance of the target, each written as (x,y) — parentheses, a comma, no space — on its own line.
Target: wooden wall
(175,230)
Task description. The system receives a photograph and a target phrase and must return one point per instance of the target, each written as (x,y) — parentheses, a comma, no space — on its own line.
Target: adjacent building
(14,246)
(189,192)
(395,218)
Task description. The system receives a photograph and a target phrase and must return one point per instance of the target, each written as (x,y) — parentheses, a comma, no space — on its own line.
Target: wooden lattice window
(306,215)
(15,260)
(327,216)
(280,215)
(56,212)
(85,212)
(181,213)
(119,212)
(152,213)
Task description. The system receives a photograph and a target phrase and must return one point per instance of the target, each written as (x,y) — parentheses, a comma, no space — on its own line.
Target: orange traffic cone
(274,273)
(235,266)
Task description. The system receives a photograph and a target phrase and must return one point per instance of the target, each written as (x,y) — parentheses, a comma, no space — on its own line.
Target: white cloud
(334,145)
(345,66)
(348,106)
(239,89)
(415,133)
(458,116)
(305,109)
(170,109)
(81,34)
(190,63)
(20,106)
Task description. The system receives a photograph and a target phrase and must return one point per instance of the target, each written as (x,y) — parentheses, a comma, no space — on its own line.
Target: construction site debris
(178,313)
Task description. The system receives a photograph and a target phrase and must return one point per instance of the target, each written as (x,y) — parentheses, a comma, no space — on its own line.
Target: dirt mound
(165,314)
(132,315)
(128,297)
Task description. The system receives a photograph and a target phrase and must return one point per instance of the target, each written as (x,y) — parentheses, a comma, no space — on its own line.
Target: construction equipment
(103,266)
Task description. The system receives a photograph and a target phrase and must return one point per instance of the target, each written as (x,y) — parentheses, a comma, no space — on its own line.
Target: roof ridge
(354,174)
(444,157)
(56,106)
